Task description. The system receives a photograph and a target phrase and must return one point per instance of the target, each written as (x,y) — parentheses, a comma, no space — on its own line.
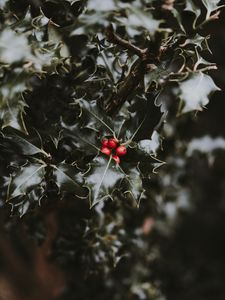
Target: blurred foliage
(74,73)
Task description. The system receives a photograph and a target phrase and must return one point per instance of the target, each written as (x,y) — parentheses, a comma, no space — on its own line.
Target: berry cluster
(112,147)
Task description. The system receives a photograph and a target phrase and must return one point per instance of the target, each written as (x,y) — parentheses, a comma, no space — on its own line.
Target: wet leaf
(25,146)
(69,179)
(132,184)
(94,118)
(25,180)
(101,179)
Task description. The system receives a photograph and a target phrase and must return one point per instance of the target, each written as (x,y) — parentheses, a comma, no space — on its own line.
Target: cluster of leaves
(61,144)
(60,69)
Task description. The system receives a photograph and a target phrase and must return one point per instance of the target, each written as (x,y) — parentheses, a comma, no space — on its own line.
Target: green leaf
(55,37)
(178,16)
(12,105)
(69,179)
(94,118)
(139,19)
(190,6)
(25,146)
(211,6)
(84,139)
(25,180)
(101,179)
(155,75)
(198,41)
(133,184)
(13,47)
(12,116)
(194,92)
(150,147)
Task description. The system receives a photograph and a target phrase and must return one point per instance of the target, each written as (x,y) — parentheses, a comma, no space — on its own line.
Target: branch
(116,39)
(135,77)
(130,84)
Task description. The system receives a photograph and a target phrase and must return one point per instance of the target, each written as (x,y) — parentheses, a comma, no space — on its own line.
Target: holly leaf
(132,184)
(190,6)
(151,146)
(83,139)
(25,179)
(25,146)
(139,19)
(69,179)
(198,41)
(203,86)
(13,84)
(13,47)
(101,179)
(94,118)
(11,114)
(211,6)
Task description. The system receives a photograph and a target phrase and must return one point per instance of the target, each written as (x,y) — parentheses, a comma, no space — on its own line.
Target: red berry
(112,143)
(121,150)
(106,151)
(105,143)
(116,158)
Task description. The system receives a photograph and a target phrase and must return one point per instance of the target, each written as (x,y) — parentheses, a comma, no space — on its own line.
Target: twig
(116,39)
(136,75)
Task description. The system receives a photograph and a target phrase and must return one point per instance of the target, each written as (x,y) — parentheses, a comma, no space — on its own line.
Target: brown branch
(130,84)
(135,77)
(116,39)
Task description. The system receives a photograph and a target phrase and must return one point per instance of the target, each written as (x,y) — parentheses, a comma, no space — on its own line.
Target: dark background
(194,256)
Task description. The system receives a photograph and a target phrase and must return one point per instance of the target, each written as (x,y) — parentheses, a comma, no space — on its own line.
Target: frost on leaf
(195,91)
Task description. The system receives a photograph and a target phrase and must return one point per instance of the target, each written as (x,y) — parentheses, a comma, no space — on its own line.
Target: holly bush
(95,96)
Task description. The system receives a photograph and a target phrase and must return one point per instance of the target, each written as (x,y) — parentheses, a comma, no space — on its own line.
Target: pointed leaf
(140,19)
(25,146)
(133,184)
(25,180)
(84,139)
(13,47)
(211,5)
(190,6)
(69,179)
(12,106)
(102,179)
(11,115)
(150,146)
(94,118)
(202,85)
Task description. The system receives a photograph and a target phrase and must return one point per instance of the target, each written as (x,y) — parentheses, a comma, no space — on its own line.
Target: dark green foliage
(76,72)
